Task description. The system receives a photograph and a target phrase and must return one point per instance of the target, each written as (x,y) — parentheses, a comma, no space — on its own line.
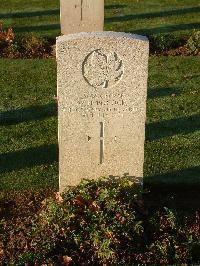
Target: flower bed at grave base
(27,46)
(98,222)
(30,46)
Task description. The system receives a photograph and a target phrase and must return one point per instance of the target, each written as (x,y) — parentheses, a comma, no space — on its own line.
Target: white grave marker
(102,88)
(81,16)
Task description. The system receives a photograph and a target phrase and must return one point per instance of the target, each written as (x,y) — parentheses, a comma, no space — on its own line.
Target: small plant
(164,42)
(33,46)
(193,43)
(6,36)
(23,46)
(97,218)
(6,39)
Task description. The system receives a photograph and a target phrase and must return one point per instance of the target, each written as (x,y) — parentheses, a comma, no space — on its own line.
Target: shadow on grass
(114,6)
(184,125)
(24,14)
(42,155)
(167,29)
(175,12)
(41,13)
(31,113)
(37,28)
(146,31)
(179,189)
(177,179)
(162,92)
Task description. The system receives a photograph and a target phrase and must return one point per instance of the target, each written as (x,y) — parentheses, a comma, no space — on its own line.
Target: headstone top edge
(83,35)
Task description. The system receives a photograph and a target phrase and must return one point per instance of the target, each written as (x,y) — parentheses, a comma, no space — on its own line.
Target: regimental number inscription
(103,106)
(102,70)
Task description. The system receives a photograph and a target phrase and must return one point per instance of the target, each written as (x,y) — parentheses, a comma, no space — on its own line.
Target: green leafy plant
(162,42)
(193,43)
(34,46)
(98,217)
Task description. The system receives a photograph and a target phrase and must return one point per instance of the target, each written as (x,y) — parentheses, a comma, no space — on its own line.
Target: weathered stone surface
(81,16)
(102,88)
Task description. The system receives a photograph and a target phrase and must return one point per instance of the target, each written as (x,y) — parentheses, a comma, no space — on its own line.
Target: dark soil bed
(19,215)
(26,203)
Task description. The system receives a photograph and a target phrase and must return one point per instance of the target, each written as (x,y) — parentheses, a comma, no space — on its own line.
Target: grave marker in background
(81,16)
(102,88)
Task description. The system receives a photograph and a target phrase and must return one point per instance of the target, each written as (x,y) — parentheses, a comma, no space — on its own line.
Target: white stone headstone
(102,89)
(81,16)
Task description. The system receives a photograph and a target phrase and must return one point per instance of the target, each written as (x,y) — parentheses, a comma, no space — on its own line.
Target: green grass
(173,121)
(28,123)
(142,17)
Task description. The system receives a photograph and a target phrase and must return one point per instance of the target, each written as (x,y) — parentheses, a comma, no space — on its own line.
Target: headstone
(81,16)
(102,88)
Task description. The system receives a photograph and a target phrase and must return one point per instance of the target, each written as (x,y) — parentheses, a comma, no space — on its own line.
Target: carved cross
(81,9)
(101,142)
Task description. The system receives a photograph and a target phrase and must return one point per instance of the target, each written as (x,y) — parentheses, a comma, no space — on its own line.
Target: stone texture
(81,16)
(102,88)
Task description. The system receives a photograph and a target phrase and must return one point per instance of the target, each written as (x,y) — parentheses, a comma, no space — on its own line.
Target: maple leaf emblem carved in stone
(101,70)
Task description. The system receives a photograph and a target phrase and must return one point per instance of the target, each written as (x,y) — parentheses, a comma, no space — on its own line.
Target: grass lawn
(138,16)
(28,122)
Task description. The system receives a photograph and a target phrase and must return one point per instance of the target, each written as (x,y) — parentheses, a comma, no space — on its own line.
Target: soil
(180,51)
(26,203)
